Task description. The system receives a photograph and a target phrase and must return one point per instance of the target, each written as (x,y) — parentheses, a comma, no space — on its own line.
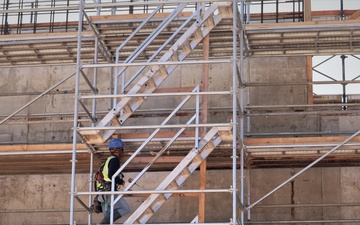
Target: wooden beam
(204,120)
(307,10)
(39,147)
(309,78)
(202,196)
(331,13)
(298,140)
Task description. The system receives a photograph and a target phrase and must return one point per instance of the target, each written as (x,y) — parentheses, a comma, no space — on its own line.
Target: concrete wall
(280,70)
(50,193)
(315,186)
(20,85)
(49,196)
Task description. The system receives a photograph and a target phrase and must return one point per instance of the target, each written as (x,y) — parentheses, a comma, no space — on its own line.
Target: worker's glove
(121,176)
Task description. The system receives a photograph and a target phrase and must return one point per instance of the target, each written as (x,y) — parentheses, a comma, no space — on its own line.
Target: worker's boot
(106,219)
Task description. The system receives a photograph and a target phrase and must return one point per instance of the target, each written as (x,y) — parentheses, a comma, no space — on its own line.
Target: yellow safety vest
(105,172)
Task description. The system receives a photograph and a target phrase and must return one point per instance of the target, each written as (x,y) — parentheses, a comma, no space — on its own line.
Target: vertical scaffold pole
(242,96)
(76,108)
(234,88)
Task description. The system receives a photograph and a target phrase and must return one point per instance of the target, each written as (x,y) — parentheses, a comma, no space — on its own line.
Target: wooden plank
(48,147)
(48,164)
(39,147)
(326,13)
(298,140)
(48,158)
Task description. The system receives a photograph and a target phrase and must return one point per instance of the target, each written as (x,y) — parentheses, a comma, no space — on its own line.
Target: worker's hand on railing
(125,184)
(131,180)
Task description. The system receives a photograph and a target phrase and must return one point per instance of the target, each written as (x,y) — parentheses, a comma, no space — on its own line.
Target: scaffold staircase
(180,173)
(156,74)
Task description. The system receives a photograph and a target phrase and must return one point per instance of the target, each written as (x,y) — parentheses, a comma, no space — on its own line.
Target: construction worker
(112,164)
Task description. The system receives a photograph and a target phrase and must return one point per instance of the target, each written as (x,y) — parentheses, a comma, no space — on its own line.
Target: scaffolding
(171,34)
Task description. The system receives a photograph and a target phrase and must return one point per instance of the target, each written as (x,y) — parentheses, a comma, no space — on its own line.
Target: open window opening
(336,79)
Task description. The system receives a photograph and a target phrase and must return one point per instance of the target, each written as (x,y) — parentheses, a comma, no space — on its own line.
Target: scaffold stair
(180,173)
(156,74)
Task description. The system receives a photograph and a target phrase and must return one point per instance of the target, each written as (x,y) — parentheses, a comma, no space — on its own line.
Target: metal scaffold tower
(130,92)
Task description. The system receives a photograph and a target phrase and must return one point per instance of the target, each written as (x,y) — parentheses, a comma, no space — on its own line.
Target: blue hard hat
(116,143)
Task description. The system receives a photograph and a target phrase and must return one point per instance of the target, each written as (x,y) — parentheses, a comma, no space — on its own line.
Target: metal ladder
(158,73)
(180,173)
